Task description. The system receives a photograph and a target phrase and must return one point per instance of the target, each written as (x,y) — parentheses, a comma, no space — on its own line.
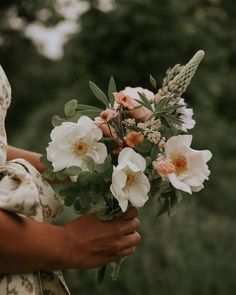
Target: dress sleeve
(5,100)
(18,191)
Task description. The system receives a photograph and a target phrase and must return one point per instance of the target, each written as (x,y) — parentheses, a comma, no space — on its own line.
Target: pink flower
(164,167)
(141,113)
(124,100)
(107,115)
(107,130)
(134,138)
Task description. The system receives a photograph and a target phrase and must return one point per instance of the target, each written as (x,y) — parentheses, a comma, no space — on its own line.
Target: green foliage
(99,93)
(70,108)
(111,90)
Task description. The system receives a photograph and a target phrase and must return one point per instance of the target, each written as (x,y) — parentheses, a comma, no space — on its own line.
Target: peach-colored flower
(134,138)
(141,113)
(107,130)
(108,114)
(164,167)
(124,100)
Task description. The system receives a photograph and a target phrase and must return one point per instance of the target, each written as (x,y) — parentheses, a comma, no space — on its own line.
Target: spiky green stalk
(178,85)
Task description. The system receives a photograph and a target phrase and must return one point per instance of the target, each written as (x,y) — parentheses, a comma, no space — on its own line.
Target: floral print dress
(24,192)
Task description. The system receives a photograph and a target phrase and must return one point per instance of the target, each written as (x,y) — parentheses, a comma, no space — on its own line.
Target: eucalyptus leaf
(70,108)
(73,171)
(90,163)
(48,175)
(57,121)
(99,93)
(85,107)
(111,90)
(75,117)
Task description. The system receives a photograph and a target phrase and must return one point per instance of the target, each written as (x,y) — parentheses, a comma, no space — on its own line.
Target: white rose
(185,168)
(186,115)
(72,142)
(129,183)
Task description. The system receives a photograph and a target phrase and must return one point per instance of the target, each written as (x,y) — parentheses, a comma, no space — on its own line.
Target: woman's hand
(90,242)
(27,245)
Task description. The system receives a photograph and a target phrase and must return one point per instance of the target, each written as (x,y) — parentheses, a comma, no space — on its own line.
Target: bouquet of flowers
(134,149)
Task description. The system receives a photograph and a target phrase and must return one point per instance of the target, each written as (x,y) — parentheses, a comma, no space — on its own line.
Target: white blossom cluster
(150,129)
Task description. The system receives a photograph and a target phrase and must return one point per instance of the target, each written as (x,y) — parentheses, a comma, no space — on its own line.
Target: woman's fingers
(131,213)
(129,241)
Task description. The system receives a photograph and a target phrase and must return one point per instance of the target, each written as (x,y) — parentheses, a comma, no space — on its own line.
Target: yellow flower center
(130,180)
(81,147)
(181,164)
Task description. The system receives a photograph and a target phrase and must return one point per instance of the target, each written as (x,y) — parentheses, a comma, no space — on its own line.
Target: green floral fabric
(24,192)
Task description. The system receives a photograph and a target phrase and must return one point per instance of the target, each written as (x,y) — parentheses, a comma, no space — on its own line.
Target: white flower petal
(138,195)
(174,143)
(129,155)
(197,188)
(133,92)
(178,183)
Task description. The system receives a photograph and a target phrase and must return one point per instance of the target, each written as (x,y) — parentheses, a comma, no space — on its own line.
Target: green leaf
(99,93)
(90,113)
(172,119)
(153,81)
(84,200)
(105,165)
(162,206)
(70,108)
(85,107)
(168,109)
(179,195)
(109,142)
(154,152)
(73,171)
(163,102)
(148,161)
(60,175)
(165,187)
(144,148)
(57,121)
(75,117)
(77,205)
(69,200)
(48,175)
(111,90)
(90,163)
(84,177)
(95,197)
(71,191)
(144,101)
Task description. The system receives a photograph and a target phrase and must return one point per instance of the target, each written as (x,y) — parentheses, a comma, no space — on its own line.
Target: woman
(31,249)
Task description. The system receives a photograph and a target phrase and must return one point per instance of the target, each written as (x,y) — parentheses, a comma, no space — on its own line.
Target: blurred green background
(193,252)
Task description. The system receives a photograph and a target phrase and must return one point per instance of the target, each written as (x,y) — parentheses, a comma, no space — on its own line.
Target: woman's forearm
(27,245)
(32,157)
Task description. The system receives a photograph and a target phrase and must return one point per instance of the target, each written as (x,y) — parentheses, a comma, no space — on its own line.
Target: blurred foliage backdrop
(195,251)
